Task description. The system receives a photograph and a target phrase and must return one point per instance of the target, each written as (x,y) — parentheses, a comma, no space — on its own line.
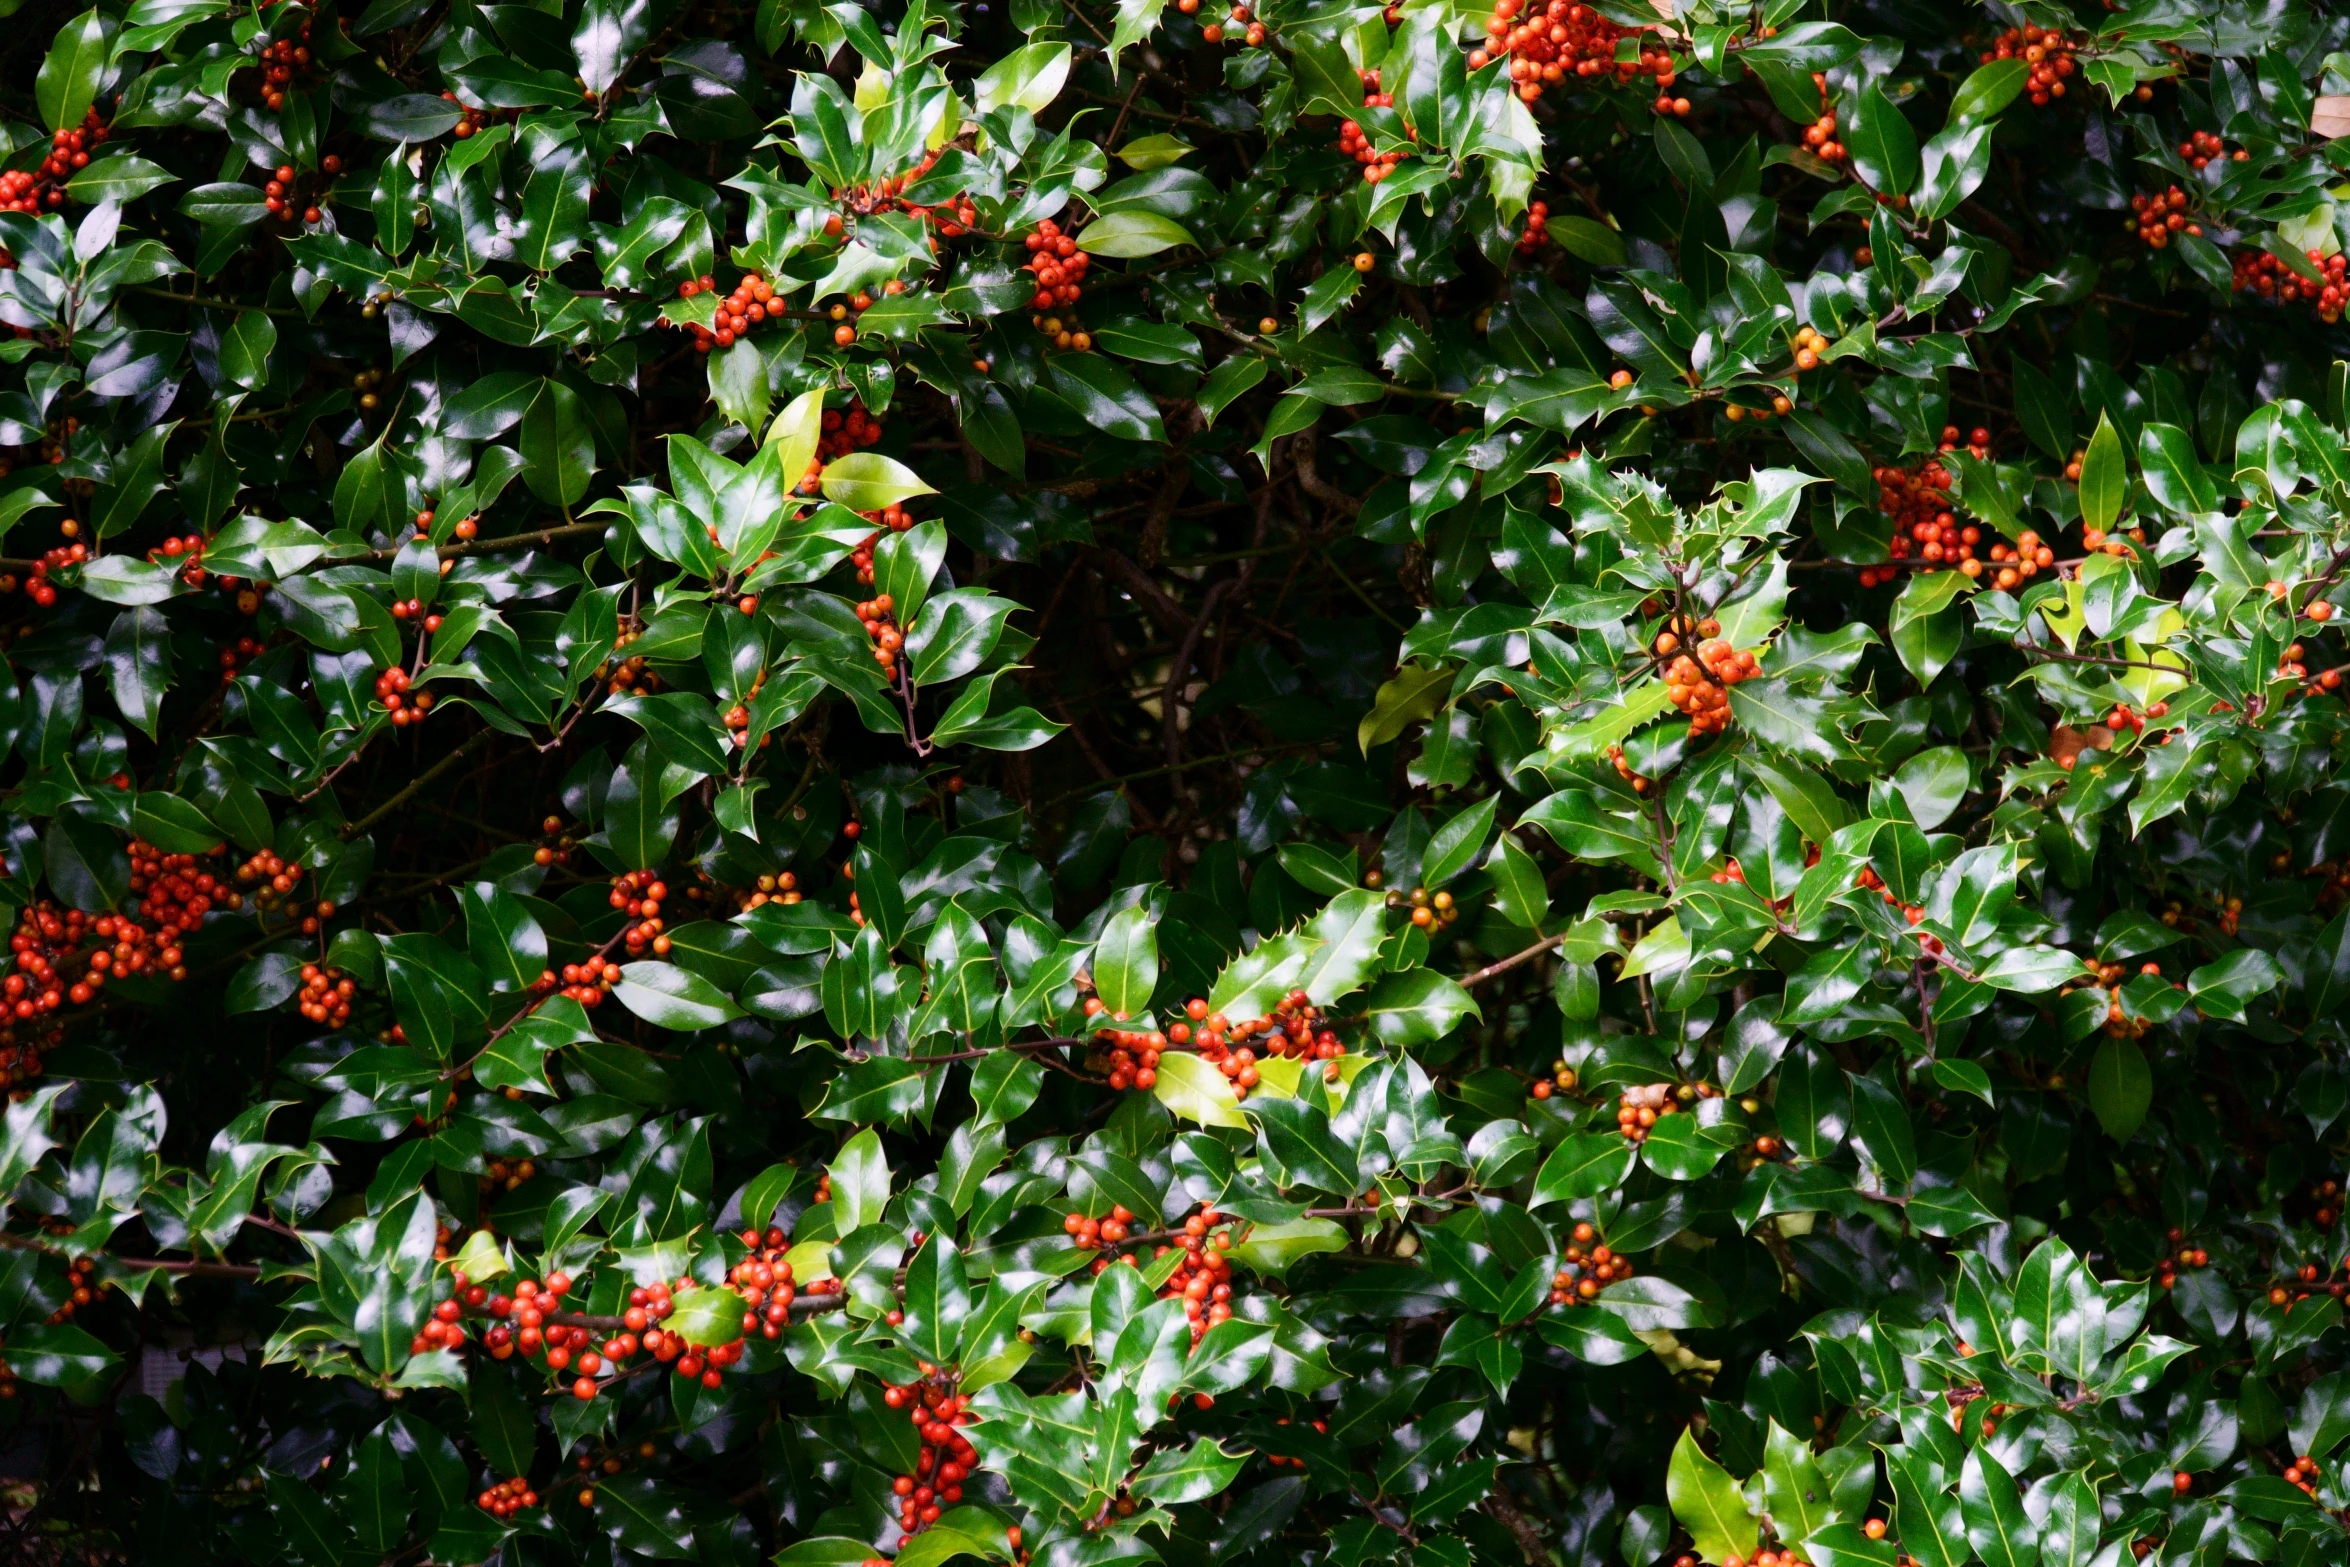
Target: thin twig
(512,541)
(206,1270)
(198,302)
(1514,959)
(471,745)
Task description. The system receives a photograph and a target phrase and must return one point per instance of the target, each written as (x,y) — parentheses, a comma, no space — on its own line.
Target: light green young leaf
(1708,1503)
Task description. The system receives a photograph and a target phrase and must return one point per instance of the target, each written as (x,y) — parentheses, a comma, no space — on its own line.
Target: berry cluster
(1279,1462)
(745,308)
(174,891)
(780,887)
(609,1465)
(1550,42)
(507,1498)
(2049,52)
(47,945)
(887,639)
(947,1457)
(2203,149)
(1202,1280)
(235,654)
(557,852)
(465,528)
(1296,1028)
(283,196)
(2309,1279)
(81,1288)
(1640,785)
(1537,231)
(1780,403)
(1924,527)
(1130,1055)
(2126,717)
(189,548)
(1699,686)
(57,435)
(2303,1472)
(2333,890)
(472,121)
(2166,1272)
(1584,1273)
(2065,743)
(2110,977)
(1637,1109)
(1430,911)
(2293,666)
(840,432)
(1244,22)
(326,995)
(42,188)
(20,1060)
(1562,1078)
(286,67)
(2258,272)
(413,609)
(444,1327)
(246,594)
(1911,913)
(499,1176)
(861,301)
(1069,335)
(588,983)
(639,895)
(954,216)
(38,587)
(1217,1039)
(1356,144)
(687,1362)
(1820,135)
(1766,1557)
(845,431)
(629,674)
(2231,914)
(391,689)
(1809,345)
(738,717)
(531,1322)
(2026,559)
(1059,266)
(763,1279)
(2158,217)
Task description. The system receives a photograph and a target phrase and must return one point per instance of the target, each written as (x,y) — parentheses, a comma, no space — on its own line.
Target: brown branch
(1153,542)
(203,1270)
(512,541)
(1514,959)
(475,743)
(1127,574)
(1521,1528)
(1181,767)
(1179,667)
(1301,454)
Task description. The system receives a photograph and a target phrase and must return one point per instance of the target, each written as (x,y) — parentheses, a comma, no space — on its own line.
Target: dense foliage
(1073,783)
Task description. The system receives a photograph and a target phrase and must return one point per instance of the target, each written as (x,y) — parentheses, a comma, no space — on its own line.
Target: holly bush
(1076,783)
